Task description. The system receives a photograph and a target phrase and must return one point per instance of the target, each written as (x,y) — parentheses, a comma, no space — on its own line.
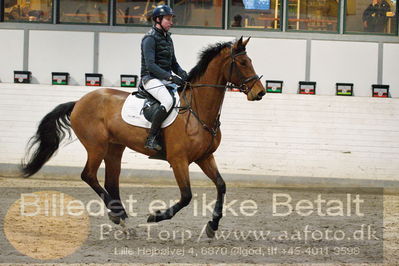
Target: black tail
(51,131)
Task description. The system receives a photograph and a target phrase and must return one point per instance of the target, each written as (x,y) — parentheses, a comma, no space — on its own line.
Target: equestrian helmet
(162,10)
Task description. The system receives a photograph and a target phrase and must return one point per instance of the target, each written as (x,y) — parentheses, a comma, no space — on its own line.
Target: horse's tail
(51,131)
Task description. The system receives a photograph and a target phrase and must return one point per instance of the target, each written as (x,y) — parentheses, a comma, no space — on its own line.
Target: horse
(193,137)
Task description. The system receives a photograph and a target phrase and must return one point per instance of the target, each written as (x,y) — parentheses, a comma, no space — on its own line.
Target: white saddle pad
(131,112)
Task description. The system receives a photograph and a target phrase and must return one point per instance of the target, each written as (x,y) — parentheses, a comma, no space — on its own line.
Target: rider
(157,63)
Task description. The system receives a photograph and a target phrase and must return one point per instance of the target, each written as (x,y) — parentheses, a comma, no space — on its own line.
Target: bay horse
(193,137)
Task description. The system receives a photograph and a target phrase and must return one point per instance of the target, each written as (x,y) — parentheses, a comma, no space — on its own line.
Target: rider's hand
(176,80)
(184,76)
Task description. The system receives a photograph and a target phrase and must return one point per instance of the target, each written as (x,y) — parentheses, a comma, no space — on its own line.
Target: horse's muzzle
(260,95)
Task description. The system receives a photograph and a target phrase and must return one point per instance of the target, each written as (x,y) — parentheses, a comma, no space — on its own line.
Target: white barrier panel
(11,53)
(284,134)
(63,51)
(345,62)
(390,68)
(279,59)
(119,53)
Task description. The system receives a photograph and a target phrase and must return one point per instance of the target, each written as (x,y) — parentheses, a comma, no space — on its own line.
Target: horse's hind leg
(209,167)
(95,156)
(112,171)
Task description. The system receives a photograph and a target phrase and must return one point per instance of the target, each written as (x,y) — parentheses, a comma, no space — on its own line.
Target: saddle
(150,103)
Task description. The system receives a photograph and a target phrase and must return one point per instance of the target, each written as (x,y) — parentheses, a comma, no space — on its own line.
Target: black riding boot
(157,119)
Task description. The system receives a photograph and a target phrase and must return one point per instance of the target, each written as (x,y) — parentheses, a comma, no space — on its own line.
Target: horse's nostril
(261,94)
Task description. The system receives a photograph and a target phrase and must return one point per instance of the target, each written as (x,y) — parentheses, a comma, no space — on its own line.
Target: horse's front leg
(209,167)
(180,169)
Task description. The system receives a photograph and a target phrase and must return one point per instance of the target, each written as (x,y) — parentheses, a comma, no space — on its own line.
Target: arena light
(344,89)
(307,87)
(129,81)
(274,86)
(380,91)
(93,79)
(59,78)
(22,76)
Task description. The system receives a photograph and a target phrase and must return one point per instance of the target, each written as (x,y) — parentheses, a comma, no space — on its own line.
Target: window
(26,10)
(84,11)
(263,14)
(198,13)
(313,15)
(135,11)
(371,16)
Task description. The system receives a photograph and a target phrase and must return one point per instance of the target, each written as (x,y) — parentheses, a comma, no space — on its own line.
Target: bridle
(242,87)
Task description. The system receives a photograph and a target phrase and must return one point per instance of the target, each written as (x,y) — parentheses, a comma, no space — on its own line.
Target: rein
(212,130)
(188,107)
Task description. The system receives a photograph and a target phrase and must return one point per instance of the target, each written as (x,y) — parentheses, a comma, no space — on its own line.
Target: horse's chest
(203,146)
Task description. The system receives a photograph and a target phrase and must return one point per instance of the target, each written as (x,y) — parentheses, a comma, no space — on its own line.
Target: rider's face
(167,22)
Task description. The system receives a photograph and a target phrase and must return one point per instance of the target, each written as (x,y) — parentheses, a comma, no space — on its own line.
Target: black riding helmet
(161,11)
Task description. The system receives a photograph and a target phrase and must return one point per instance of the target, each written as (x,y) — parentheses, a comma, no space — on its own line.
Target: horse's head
(241,73)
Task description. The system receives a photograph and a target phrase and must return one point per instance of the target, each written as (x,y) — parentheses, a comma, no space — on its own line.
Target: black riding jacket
(158,56)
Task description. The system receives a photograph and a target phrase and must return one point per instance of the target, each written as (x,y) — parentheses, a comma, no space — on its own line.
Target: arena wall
(11,53)
(58,52)
(290,60)
(282,135)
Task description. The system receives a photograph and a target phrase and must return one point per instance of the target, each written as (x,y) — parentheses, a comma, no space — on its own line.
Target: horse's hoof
(126,228)
(130,232)
(209,231)
(154,218)
(114,218)
(123,223)
(151,219)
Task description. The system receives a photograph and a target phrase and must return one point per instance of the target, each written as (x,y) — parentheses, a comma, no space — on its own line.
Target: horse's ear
(246,41)
(238,44)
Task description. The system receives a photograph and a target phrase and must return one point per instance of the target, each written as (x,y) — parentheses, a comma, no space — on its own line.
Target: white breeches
(158,90)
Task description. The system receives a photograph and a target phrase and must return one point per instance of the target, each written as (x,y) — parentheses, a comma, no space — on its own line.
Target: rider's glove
(184,76)
(176,80)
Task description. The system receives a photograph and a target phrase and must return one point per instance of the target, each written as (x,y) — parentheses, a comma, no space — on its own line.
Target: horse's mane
(205,58)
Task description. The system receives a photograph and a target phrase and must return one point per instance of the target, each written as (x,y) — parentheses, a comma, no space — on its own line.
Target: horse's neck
(208,100)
